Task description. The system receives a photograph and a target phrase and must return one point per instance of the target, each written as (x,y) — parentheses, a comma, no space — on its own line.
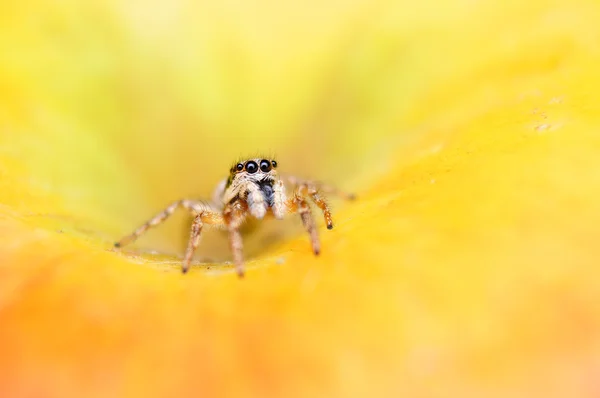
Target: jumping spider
(253,188)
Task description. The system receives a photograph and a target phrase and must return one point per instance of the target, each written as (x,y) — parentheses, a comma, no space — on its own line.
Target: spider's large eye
(274,163)
(239,167)
(251,167)
(265,166)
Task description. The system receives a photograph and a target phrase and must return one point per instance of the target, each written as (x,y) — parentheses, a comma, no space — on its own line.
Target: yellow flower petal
(468,266)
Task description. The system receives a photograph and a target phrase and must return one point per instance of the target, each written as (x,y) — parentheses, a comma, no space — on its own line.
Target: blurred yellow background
(468,266)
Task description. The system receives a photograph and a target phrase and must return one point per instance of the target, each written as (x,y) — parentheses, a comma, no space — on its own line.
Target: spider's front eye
(251,167)
(274,163)
(239,167)
(265,166)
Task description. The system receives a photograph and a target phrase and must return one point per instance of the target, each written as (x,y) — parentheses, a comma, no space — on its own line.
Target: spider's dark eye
(274,163)
(239,167)
(251,167)
(265,166)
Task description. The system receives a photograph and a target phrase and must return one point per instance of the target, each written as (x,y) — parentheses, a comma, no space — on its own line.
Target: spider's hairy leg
(279,199)
(193,243)
(205,217)
(234,214)
(193,206)
(319,186)
(306,190)
(299,205)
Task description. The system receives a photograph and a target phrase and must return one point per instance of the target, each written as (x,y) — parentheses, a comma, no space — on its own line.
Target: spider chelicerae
(253,188)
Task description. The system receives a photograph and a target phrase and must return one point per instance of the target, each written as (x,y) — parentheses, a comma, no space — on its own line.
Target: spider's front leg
(297,204)
(319,186)
(205,217)
(193,206)
(314,190)
(234,215)
(203,214)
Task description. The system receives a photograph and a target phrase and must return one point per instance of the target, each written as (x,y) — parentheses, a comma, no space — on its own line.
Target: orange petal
(467,267)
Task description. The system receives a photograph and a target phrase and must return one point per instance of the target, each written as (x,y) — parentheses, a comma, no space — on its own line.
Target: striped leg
(233,215)
(299,205)
(311,191)
(322,204)
(193,243)
(319,186)
(196,207)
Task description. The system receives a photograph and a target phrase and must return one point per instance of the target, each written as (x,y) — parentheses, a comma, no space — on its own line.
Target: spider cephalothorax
(256,182)
(253,188)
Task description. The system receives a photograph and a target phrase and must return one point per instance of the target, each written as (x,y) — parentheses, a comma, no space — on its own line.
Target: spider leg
(204,217)
(193,242)
(313,193)
(196,207)
(319,186)
(322,204)
(299,205)
(234,214)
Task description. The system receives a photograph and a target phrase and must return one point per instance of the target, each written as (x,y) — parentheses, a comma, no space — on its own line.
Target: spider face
(254,182)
